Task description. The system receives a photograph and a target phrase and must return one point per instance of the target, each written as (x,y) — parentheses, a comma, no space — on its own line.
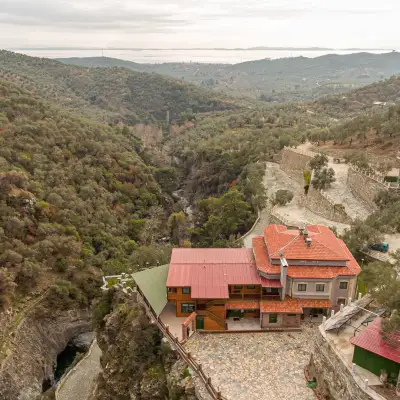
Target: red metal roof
(211,256)
(371,339)
(315,303)
(210,279)
(325,245)
(243,304)
(288,305)
(275,283)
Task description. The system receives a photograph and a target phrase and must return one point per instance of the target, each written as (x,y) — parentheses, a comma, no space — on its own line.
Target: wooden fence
(185,355)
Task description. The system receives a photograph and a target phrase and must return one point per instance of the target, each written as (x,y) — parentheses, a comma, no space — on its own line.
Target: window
(187,307)
(172,290)
(343,285)
(341,300)
(250,311)
(320,287)
(251,286)
(186,290)
(238,287)
(273,318)
(301,287)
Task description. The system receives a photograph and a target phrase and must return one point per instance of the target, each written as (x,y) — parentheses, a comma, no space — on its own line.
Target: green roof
(152,283)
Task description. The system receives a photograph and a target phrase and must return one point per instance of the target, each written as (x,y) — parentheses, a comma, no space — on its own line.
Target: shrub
(283,197)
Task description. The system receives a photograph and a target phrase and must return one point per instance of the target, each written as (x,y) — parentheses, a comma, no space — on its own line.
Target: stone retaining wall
(294,162)
(365,186)
(320,203)
(335,379)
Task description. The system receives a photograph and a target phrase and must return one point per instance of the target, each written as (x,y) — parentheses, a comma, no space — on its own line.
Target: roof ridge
(286,245)
(329,248)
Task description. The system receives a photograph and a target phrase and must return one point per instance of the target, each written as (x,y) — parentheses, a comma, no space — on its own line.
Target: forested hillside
(279,80)
(109,96)
(367,118)
(74,195)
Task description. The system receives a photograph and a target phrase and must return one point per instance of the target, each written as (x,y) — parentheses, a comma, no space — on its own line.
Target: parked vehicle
(382,247)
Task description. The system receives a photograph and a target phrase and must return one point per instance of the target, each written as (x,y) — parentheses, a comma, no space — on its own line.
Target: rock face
(83,341)
(137,364)
(33,356)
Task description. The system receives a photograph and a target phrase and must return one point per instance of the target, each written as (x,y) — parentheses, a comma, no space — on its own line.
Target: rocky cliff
(136,362)
(32,354)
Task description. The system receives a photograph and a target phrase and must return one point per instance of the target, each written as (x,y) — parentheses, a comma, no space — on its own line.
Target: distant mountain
(109,95)
(278,80)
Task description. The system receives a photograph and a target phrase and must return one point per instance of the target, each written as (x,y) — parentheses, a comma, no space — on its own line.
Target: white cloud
(190,23)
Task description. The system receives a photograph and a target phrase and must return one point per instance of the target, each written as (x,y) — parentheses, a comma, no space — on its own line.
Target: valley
(107,167)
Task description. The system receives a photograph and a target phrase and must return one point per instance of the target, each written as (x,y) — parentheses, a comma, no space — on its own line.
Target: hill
(366,119)
(278,80)
(109,95)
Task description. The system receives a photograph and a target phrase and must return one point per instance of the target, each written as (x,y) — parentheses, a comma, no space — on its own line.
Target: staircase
(209,314)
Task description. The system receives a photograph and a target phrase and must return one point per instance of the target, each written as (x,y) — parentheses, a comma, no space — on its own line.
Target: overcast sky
(199,23)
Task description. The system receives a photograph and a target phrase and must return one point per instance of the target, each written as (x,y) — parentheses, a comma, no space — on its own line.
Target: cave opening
(65,359)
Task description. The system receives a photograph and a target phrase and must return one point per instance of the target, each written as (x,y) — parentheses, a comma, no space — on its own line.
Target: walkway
(80,382)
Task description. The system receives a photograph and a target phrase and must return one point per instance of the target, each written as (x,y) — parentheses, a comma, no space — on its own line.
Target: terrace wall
(365,186)
(294,162)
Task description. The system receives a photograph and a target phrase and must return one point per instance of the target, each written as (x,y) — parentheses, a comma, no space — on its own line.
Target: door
(199,323)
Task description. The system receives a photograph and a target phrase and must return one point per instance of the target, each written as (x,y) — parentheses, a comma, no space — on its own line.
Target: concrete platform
(168,317)
(244,324)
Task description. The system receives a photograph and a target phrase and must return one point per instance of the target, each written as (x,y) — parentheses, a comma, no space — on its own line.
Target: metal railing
(185,355)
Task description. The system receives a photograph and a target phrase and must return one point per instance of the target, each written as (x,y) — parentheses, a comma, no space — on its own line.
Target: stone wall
(320,203)
(334,378)
(294,162)
(365,186)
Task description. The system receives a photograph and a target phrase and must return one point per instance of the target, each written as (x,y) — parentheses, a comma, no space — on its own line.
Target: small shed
(375,353)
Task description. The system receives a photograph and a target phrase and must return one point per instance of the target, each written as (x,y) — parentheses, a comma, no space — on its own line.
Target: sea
(196,56)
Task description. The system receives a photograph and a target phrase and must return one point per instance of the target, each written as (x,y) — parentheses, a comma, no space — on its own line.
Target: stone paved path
(267,366)
(81,382)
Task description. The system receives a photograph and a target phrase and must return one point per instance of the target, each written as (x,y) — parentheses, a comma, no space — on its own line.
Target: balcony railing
(271,297)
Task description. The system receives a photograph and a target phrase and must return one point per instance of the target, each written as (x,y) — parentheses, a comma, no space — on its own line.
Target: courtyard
(265,365)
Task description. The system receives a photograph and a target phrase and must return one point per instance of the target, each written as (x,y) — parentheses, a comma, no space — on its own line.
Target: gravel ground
(266,365)
(80,383)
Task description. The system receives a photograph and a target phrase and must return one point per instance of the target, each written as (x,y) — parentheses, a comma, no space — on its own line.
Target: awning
(272,283)
(288,305)
(315,303)
(152,283)
(243,305)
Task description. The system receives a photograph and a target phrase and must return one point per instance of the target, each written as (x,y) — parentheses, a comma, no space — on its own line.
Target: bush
(319,161)
(7,288)
(282,197)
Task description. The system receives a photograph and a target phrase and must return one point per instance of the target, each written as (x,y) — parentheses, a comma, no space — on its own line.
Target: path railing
(185,355)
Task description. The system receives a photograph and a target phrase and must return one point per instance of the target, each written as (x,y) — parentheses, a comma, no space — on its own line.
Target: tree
(360,236)
(178,228)
(319,161)
(323,178)
(282,197)
(7,288)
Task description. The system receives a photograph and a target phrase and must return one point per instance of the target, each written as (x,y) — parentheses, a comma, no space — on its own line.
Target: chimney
(284,266)
(308,241)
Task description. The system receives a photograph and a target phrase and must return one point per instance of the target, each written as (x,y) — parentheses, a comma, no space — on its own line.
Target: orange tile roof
(315,303)
(261,257)
(288,305)
(245,304)
(272,283)
(325,245)
(315,272)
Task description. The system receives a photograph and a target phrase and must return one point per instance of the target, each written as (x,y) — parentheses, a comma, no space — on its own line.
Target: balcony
(271,297)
